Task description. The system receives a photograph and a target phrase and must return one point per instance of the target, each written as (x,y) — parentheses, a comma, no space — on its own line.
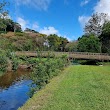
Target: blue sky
(63,17)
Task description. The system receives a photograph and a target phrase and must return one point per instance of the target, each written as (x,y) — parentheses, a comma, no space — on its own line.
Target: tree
(95,24)
(40,42)
(3,15)
(71,46)
(63,43)
(89,44)
(54,42)
(57,43)
(105,37)
(13,26)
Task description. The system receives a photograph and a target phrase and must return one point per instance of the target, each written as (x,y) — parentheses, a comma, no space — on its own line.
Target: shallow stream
(14,87)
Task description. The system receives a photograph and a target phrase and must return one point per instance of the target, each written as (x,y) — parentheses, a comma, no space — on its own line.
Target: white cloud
(102,6)
(35,26)
(85,2)
(26,24)
(49,30)
(38,4)
(83,20)
(69,39)
(22,22)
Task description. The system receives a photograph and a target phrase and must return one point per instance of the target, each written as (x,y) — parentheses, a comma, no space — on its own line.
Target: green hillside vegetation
(22,41)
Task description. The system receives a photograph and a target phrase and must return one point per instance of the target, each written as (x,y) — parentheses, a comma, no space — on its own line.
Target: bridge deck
(75,55)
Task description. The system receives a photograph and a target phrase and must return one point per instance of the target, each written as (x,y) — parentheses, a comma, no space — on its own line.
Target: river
(14,87)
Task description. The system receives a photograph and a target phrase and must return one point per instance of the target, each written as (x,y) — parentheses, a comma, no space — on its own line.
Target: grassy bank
(77,88)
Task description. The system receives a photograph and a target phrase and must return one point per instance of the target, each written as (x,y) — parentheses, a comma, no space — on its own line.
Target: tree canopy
(89,44)
(97,34)
(105,37)
(95,24)
(57,43)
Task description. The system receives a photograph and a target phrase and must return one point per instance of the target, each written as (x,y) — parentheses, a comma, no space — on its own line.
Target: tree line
(96,36)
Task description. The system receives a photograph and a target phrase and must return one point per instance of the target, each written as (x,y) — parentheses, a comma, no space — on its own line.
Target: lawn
(77,88)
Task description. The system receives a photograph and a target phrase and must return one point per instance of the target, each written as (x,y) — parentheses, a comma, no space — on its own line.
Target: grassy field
(77,88)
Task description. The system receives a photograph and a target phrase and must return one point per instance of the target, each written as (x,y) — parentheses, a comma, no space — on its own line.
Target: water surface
(13,89)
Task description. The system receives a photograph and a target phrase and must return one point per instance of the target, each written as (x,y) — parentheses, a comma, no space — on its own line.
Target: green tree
(3,15)
(12,26)
(54,42)
(57,43)
(71,46)
(63,43)
(89,44)
(105,37)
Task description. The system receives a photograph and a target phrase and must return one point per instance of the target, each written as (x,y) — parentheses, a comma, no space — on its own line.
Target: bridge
(70,55)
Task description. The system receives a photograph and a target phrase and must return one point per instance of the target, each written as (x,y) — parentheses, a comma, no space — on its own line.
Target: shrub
(3,61)
(13,58)
(44,70)
(19,34)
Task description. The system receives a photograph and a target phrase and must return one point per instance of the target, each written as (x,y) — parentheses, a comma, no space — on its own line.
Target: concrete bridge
(70,55)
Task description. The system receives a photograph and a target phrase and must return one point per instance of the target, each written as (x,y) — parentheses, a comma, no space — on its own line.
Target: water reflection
(13,89)
(12,77)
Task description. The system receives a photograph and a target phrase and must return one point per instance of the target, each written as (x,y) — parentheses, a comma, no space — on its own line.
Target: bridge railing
(88,53)
(78,55)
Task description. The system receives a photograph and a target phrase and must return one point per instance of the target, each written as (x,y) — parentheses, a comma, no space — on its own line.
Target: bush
(3,61)
(45,70)
(11,56)
(15,61)
(19,34)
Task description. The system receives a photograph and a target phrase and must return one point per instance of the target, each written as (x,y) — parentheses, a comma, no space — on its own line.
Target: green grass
(77,88)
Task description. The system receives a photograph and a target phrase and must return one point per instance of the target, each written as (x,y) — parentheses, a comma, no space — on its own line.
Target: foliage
(5,44)
(89,44)
(95,24)
(44,70)
(20,34)
(5,57)
(3,15)
(15,63)
(14,59)
(3,61)
(9,25)
(105,37)
(6,24)
(71,46)
(57,43)
(39,42)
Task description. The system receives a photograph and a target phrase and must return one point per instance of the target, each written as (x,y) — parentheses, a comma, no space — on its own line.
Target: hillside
(19,41)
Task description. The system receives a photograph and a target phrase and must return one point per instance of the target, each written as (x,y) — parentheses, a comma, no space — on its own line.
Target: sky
(65,18)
